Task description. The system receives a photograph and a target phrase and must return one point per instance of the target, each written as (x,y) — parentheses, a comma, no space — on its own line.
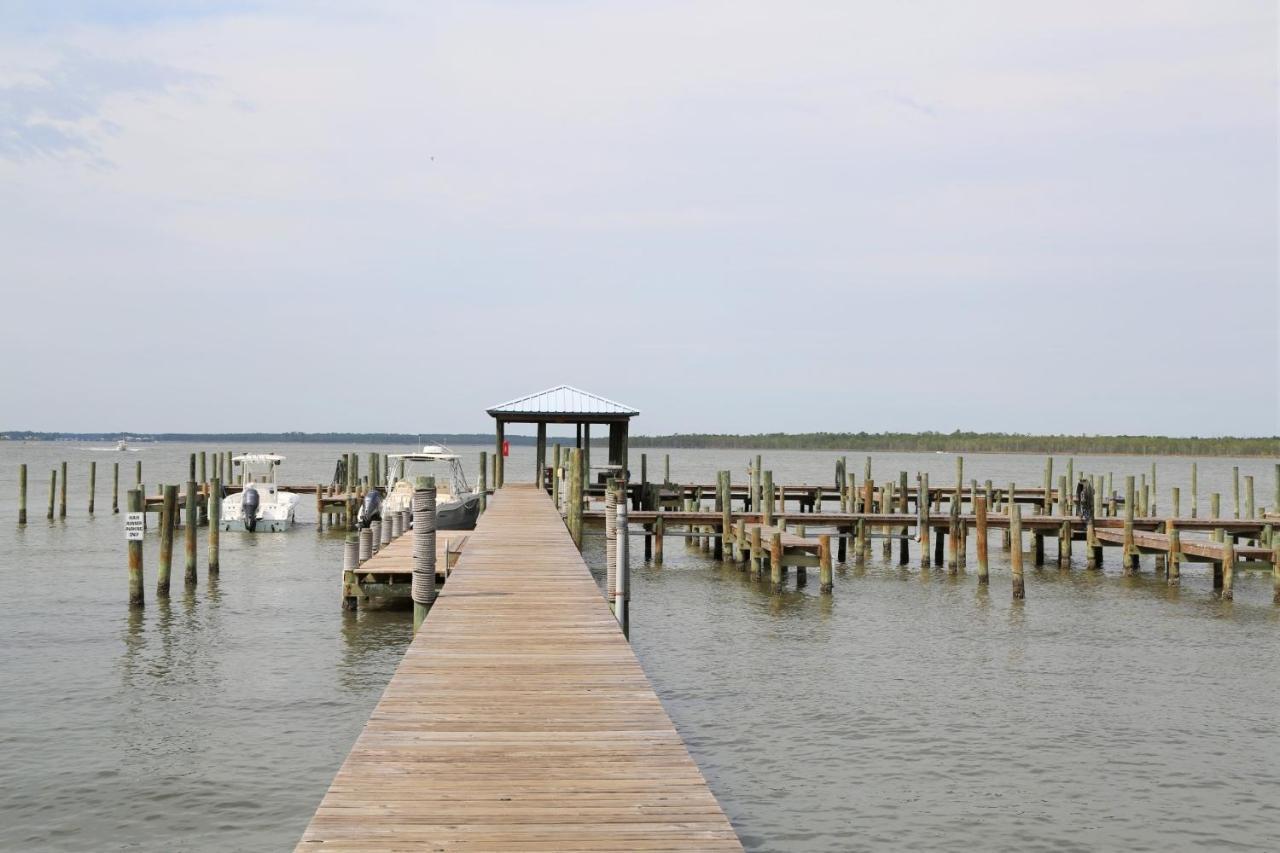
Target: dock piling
(191,520)
(53,488)
(980,524)
(168,509)
(62,492)
(136,596)
(423,589)
(1015,554)
(22,494)
(213,504)
(115,487)
(93,484)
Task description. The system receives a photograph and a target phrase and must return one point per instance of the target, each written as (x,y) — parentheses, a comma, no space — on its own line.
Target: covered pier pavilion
(564,404)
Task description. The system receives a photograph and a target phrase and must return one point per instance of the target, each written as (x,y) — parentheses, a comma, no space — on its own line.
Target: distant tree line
(973,442)
(970,442)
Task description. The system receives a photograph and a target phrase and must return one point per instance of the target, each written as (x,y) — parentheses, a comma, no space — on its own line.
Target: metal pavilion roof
(563,400)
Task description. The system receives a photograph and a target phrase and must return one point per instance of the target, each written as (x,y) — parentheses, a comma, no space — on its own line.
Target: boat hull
(461,515)
(265,525)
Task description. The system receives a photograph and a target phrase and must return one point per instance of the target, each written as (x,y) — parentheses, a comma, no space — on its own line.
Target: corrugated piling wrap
(423,590)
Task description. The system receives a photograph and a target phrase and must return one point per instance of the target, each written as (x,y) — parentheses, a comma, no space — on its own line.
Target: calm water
(903,712)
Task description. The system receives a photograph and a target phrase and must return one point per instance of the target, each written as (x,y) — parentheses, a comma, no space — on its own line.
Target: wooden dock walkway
(519,718)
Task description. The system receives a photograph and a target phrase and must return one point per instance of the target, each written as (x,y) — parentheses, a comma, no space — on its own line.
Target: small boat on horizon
(260,505)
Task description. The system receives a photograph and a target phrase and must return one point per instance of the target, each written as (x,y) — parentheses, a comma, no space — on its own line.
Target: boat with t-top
(457,505)
(260,505)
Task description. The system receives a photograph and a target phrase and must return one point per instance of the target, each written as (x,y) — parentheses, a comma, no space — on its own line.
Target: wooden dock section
(519,718)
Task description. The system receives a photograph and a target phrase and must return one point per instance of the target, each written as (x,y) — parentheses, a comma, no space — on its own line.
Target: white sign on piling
(133,526)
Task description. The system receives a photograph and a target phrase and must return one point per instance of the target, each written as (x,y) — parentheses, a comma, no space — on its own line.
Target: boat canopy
(258,459)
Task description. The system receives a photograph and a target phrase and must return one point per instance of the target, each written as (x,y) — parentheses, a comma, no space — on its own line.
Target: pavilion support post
(498,461)
(541,457)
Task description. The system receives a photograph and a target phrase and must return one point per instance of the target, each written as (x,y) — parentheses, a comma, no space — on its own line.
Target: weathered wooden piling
(115,487)
(1007,535)
(766,489)
(136,596)
(776,576)
(953,534)
(484,482)
(575,496)
(62,491)
(53,489)
(214,502)
(93,484)
(980,524)
(1015,553)
(168,520)
(659,528)
(1235,491)
(22,494)
(1215,511)
(192,521)
(137,472)
(825,583)
(1228,567)
(1047,506)
(1174,556)
(1129,558)
(922,518)
(726,514)
(1248,498)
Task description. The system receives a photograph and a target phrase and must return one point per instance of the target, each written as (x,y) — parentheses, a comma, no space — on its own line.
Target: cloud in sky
(737,216)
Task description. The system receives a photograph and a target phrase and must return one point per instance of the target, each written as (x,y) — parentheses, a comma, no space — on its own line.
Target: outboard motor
(249,506)
(370,508)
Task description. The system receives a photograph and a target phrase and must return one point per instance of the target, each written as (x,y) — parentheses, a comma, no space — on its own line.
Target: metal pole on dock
(168,508)
(22,494)
(610,545)
(214,504)
(622,599)
(136,595)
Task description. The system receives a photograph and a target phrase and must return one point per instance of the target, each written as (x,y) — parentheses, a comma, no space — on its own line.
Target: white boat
(457,506)
(121,446)
(275,508)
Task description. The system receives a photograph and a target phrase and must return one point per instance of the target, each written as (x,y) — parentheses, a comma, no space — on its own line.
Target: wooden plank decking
(519,718)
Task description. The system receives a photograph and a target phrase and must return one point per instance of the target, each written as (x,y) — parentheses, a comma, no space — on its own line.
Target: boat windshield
(445,467)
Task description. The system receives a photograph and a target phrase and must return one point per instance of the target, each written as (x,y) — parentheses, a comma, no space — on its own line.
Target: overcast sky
(735,216)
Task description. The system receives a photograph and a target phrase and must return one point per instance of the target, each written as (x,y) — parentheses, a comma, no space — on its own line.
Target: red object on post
(506,448)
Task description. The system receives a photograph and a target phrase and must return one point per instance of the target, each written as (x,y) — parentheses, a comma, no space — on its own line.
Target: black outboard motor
(370,509)
(249,505)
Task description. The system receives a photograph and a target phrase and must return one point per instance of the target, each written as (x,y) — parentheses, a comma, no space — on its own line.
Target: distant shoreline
(923,442)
